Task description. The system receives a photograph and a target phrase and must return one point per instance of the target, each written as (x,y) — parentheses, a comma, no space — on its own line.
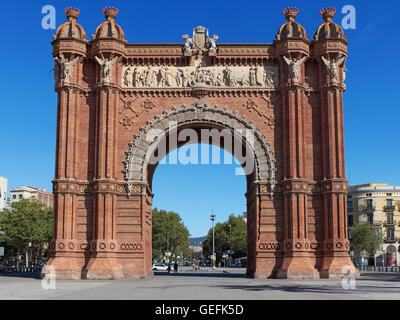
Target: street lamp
(230,248)
(213,220)
(167,244)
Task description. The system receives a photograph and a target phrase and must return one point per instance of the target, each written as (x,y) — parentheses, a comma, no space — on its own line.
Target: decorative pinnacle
(72,13)
(110,12)
(327,13)
(290,13)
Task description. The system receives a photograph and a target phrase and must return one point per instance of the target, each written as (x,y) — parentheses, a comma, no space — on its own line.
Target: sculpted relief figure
(150,78)
(332,67)
(269,78)
(189,76)
(212,43)
(135,77)
(294,67)
(66,66)
(128,75)
(230,78)
(106,68)
(188,43)
(253,77)
(259,76)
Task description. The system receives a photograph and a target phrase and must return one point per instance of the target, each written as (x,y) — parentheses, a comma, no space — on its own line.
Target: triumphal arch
(117,101)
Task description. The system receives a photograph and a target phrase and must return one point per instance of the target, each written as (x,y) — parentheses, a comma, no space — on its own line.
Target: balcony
(389,224)
(367,208)
(389,208)
(390,240)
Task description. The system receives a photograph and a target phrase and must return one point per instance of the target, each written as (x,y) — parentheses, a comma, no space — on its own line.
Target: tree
(169,230)
(365,238)
(228,238)
(26,222)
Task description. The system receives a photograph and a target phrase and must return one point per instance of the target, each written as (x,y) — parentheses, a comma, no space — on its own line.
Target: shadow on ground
(201,274)
(27,275)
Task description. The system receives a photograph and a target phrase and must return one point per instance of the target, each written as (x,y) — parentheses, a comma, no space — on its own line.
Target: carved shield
(199,40)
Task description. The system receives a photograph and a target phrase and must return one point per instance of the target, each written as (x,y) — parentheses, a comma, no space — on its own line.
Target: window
(389,194)
(389,217)
(349,197)
(14,196)
(350,220)
(369,203)
(350,206)
(370,218)
(390,233)
(389,202)
(20,196)
(368,195)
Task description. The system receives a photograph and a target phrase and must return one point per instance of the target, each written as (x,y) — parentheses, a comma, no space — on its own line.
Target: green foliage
(224,240)
(365,237)
(168,226)
(25,222)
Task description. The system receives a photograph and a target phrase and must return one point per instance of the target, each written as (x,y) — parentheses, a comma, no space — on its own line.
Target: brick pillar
(265,221)
(103,262)
(297,263)
(336,245)
(65,261)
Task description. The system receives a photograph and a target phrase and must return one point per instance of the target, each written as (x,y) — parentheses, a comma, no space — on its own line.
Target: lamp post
(230,248)
(213,220)
(167,244)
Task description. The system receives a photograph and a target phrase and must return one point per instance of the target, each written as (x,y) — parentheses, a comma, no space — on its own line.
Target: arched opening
(203,124)
(210,183)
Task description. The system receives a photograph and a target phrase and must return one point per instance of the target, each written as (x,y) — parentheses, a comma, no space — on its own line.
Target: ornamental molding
(131,112)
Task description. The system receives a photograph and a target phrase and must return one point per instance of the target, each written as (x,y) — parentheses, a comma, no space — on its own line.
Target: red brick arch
(200,116)
(112,93)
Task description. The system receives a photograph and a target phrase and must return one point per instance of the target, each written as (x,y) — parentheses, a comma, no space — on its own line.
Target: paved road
(204,285)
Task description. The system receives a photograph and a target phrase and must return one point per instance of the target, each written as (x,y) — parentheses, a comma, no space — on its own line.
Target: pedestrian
(169,267)
(175,267)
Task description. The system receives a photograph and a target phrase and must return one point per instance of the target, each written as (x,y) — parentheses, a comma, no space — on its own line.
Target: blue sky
(28,102)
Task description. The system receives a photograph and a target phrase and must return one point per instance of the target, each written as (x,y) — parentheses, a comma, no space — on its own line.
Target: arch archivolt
(137,157)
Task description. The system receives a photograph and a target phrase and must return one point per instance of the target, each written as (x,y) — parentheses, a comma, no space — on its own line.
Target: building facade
(378,204)
(3,193)
(113,96)
(33,194)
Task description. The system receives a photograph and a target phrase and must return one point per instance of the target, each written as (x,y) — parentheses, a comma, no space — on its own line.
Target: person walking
(169,267)
(176,267)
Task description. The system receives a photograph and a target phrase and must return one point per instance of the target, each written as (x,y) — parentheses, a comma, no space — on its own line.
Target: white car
(160,266)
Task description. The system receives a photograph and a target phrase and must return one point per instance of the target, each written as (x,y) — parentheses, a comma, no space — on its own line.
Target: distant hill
(197,241)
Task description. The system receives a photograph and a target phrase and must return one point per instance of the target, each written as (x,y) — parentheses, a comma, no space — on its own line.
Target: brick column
(103,262)
(67,263)
(335,245)
(297,263)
